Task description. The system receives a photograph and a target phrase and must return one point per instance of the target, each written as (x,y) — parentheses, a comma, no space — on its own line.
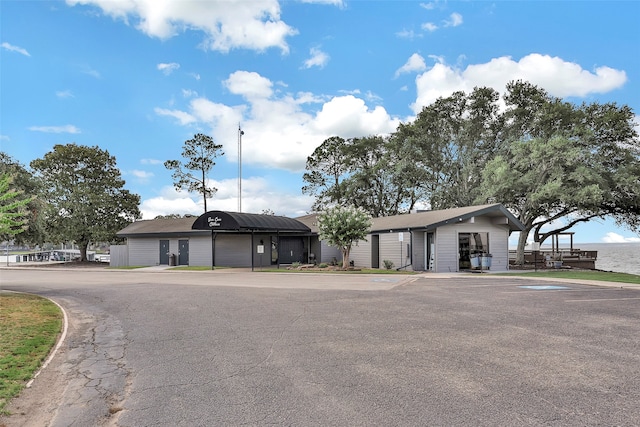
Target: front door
(471,245)
(164,252)
(291,250)
(183,252)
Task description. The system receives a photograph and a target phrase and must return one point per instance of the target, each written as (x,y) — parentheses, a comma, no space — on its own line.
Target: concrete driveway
(166,348)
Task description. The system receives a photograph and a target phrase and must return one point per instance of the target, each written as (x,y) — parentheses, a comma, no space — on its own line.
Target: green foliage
(85,195)
(342,226)
(322,265)
(569,163)
(199,153)
(13,209)
(23,181)
(547,160)
(388,264)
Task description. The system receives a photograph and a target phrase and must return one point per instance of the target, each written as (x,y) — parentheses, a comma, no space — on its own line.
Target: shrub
(323,265)
(388,264)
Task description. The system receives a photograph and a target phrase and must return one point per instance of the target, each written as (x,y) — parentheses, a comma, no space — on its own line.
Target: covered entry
(286,234)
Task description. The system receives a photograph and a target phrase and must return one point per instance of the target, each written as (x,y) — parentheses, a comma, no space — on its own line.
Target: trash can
(475,260)
(486,261)
(172,260)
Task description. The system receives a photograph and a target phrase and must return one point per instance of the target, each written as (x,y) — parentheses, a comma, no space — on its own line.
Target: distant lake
(618,257)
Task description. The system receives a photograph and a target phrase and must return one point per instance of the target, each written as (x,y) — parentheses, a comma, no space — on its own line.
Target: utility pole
(240,133)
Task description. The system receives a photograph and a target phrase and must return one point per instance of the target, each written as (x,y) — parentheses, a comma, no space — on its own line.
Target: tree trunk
(83,246)
(522,242)
(345,257)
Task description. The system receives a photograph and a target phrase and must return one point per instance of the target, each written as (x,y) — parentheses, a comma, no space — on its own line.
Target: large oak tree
(85,195)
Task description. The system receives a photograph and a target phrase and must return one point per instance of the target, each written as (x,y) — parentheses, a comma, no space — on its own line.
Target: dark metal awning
(237,221)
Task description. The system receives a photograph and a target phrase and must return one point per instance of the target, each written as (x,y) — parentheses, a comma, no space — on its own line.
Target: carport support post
(213,249)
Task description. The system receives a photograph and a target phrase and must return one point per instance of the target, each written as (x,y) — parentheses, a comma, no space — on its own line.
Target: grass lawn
(332,271)
(29,327)
(602,276)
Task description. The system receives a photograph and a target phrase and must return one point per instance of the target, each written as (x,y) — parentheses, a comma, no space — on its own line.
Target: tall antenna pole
(240,133)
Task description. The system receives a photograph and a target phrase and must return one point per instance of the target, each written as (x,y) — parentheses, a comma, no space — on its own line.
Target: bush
(388,264)
(323,265)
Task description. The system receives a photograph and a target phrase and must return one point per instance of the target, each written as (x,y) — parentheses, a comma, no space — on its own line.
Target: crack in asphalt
(98,381)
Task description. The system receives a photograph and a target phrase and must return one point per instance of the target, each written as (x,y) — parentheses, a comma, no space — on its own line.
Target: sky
(139,77)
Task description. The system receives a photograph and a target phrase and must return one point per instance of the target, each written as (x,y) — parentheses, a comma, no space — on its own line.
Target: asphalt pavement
(231,347)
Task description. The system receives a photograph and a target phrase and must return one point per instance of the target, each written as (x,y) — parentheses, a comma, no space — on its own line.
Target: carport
(274,240)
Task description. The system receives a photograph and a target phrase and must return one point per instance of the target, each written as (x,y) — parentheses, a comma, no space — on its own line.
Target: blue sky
(140,77)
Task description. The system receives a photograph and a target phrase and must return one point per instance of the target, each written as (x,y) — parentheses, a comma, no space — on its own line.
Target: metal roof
(161,227)
(212,220)
(430,220)
(237,221)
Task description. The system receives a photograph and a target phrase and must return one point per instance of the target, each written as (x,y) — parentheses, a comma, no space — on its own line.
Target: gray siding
(418,254)
(360,254)
(233,250)
(200,251)
(145,251)
(392,249)
(447,244)
(118,256)
(328,253)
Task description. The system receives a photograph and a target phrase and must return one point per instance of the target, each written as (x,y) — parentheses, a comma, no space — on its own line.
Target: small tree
(199,153)
(13,209)
(341,226)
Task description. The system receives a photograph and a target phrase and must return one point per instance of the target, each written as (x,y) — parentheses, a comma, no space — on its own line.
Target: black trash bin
(172,260)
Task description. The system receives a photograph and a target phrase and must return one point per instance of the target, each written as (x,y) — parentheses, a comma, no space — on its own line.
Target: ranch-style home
(448,240)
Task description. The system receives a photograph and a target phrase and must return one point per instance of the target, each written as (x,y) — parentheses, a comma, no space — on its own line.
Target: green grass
(602,276)
(127,267)
(29,327)
(330,271)
(196,268)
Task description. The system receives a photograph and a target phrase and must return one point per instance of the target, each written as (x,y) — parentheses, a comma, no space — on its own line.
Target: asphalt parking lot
(240,348)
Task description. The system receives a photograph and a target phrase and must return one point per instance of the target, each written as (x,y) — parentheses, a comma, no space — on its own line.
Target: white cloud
(64,94)
(4,138)
(560,78)
(184,118)
(415,63)
(332,2)
(428,6)
(612,237)
(151,161)
(250,85)
(408,34)
(143,175)
(318,58)
(168,68)
(12,48)
(55,129)
(195,75)
(257,195)
(226,25)
(279,133)
(429,26)
(86,69)
(455,19)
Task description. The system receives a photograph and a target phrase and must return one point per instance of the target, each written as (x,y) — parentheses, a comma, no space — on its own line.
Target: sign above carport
(237,221)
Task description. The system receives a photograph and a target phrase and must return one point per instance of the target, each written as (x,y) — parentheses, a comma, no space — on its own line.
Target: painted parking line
(543,287)
(601,299)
